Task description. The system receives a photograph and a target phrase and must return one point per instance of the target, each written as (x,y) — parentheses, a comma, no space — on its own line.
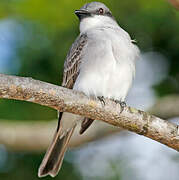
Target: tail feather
(85,124)
(54,156)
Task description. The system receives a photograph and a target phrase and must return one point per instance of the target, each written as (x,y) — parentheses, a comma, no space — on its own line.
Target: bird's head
(94,14)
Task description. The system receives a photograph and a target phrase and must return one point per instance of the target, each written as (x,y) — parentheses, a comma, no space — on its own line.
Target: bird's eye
(101,11)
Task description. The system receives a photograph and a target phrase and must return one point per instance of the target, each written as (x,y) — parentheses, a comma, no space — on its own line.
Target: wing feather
(72,69)
(73,61)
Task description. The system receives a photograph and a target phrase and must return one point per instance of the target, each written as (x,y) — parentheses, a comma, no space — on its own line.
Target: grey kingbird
(100,63)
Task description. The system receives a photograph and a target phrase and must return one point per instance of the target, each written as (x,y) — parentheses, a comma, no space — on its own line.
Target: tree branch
(59,98)
(26,135)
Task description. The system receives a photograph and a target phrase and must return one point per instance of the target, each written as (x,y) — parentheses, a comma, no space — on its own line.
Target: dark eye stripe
(101,11)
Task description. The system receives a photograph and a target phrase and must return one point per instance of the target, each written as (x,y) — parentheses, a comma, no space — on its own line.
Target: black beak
(82,13)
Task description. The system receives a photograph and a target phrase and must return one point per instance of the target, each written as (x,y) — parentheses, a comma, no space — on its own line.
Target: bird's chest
(111,80)
(104,71)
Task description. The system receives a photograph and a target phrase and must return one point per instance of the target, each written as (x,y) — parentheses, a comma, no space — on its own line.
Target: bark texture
(59,98)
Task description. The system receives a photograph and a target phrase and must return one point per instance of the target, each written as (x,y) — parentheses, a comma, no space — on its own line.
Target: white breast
(108,65)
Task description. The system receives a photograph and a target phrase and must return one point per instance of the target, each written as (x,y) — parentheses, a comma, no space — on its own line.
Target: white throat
(97,21)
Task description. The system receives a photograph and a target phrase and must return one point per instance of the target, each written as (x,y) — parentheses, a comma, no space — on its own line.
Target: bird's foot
(122,104)
(102,100)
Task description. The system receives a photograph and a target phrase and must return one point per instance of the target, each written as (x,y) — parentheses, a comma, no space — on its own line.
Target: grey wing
(71,71)
(73,61)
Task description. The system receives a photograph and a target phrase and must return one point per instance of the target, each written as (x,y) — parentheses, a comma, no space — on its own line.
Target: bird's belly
(119,82)
(111,82)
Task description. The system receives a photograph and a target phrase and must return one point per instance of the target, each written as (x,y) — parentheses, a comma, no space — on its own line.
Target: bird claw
(102,100)
(122,104)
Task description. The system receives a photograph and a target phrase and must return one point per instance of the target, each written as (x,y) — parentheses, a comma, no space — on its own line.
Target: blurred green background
(35,36)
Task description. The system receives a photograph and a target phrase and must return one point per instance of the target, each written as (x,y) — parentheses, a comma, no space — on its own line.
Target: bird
(100,63)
